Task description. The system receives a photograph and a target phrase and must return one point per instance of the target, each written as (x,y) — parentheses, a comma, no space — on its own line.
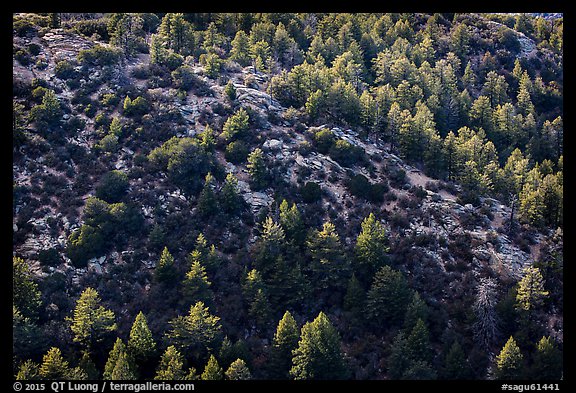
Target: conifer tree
(196,286)
(416,310)
(196,333)
(418,343)
(285,341)
(328,265)
(355,298)
(509,362)
(318,355)
(371,247)
(25,292)
(90,321)
(257,169)
(118,350)
(53,365)
(531,292)
(165,271)
(388,298)
(238,370)
(291,222)
(207,202)
(28,371)
(123,369)
(455,364)
(485,326)
(171,365)
(212,371)
(547,361)
(229,196)
(141,344)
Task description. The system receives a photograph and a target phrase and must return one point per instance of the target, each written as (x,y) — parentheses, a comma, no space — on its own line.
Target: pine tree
(236,125)
(547,361)
(165,271)
(90,320)
(257,169)
(327,266)
(118,350)
(318,355)
(170,366)
(388,298)
(455,364)
(212,371)
(25,292)
(291,222)
(371,247)
(28,371)
(54,366)
(418,343)
(123,369)
(207,202)
(355,298)
(398,361)
(229,196)
(238,370)
(531,292)
(509,363)
(285,341)
(196,333)
(417,309)
(141,344)
(240,51)
(196,286)
(259,309)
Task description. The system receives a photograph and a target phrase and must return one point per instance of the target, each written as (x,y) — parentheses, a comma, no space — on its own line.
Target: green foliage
(236,125)
(285,341)
(141,344)
(371,246)
(509,362)
(212,371)
(388,298)
(531,292)
(137,107)
(112,186)
(196,286)
(238,370)
(455,364)
(196,333)
(54,366)
(26,296)
(547,361)
(257,169)
(311,192)
(48,112)
(229,197)
(170,366)
(319,355)
(165,271)
(236,152)
(90,321)
(99,56)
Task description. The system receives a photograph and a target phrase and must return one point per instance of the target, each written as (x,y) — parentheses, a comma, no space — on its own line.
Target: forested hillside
(287,196)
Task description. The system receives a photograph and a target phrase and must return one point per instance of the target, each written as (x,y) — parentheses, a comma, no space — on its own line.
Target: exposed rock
(272,144)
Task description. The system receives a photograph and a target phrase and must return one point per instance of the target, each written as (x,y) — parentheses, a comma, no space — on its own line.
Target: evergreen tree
(416,310)
(236,125)
(118,351)
(123,369)
(398,361)
(207,202)
(531,292)
(418,343)
(28,371)
(240,51)
(260,309)
(196,286)
(318,355)
(547,361)
(455,364)
(229,196)
(141,344)
(291,222)
(285,341)
(327,265)
(90,320)
(171,365)
(238,370)
(53,365)
(196,333)
(25,293)
(257,169)
(509,362)
(165,271)
(371,247)
(212,371)
(355,298)
(388,298)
